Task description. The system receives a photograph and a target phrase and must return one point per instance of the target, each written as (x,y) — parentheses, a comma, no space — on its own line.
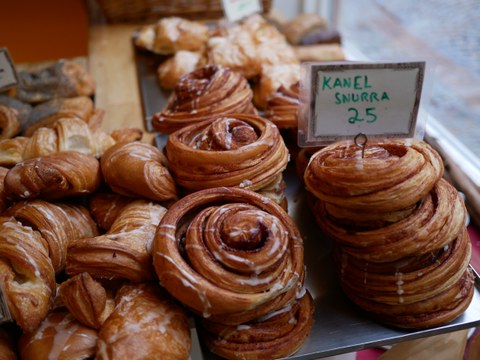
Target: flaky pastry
(183,62)
(9,122)
(282,106)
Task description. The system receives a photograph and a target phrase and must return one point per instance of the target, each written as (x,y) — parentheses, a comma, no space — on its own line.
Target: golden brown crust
(320,52)
(204,94)
(124,252)
(9,122)
(54,176)
(105,207)
(244,151)
(138,170)
(282,106)
(393,175)
(218,250)
(59,224)
(301,25)
(144,322)
(183,62)
(47,114)
(59,337)
(276,335)
(87,300)
(172,34)
(433,224)
(28,277)
(11,151)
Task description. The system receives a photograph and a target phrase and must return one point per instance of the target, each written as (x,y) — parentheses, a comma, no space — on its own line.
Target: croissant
(229,254)
(172,34)
(204,94)
(9,122)
(46,114)
(276,335)
(59,224)
(11,150)
(124,252)
(22,109)
(433,224)
(183,62)
(415,292)
(145,322)
(245,151)
(138,170)
(7,346)
(282,106)
(392,175)
(54,176)
(105,208)
(87,300)
(28,277)
(59,337)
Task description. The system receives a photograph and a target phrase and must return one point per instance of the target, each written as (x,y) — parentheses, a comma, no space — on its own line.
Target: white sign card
(343,100)
(8,75)
(238,9)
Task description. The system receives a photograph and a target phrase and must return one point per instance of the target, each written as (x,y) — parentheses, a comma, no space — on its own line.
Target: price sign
(8,75)
(345,99)
(238,9)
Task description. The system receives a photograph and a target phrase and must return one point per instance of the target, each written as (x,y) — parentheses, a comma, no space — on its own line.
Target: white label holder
(238,9)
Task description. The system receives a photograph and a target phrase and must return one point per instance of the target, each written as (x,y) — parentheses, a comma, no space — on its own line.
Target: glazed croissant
(238,150)
(229,254)
(393,175)
(59,225)
(145,322)
(59,337)
(105,207)
(204,94)
(273,336)
(87,300)
(11,150)
(28,277)
(9,122)
(124,252)
(138,170)
(53,176)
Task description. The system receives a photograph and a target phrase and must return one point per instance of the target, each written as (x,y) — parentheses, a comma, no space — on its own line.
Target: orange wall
(36,30)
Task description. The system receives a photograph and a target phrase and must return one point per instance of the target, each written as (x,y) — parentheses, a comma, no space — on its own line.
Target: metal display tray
(339,326)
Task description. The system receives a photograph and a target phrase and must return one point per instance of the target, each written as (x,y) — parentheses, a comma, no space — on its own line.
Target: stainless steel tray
(339,326)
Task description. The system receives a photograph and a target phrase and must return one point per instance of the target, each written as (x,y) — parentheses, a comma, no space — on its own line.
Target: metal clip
(361,141)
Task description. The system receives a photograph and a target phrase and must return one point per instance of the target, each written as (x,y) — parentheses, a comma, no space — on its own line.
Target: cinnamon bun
(204,94)
(282,106)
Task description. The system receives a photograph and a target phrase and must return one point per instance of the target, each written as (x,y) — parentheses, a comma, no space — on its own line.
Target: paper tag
(238,9)
(5,315)
(343,100)
(8,75)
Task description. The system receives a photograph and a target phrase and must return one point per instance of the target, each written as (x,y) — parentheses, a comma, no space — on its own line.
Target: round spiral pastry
(54,176)
(59,337)
(275,335)
(229,254)
(282,107)
(244,151)
(416,292)
(433,224)
(204,94)
(138,170)
(392,175)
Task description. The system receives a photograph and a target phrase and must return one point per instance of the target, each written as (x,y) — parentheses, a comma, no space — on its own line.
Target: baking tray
(339,326)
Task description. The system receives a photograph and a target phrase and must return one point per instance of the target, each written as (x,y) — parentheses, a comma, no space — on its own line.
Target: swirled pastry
(172,34)
(246,151)
(124,252)
(275,335)
(414,292)
(432,225)
(145,322)
(59,337)
(282,106)
(28,277)
(59,224)
(54,176)
(9,122)
(138,170)
(183,62)
(204,94)
(229,254)
(393,174)
(86,299)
